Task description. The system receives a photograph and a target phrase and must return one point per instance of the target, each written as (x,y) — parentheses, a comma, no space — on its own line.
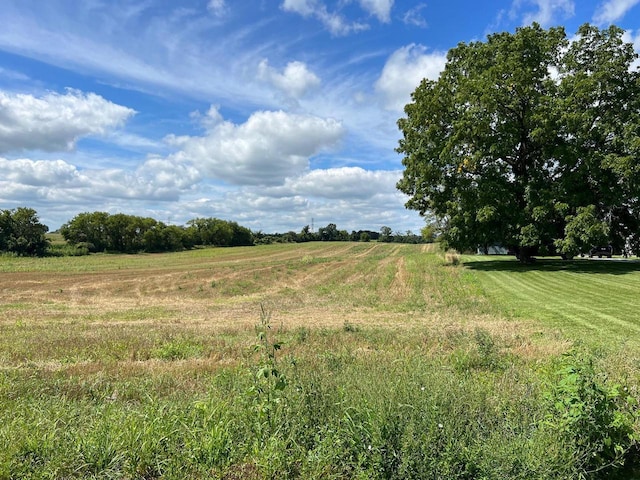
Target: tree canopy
(530,141)
(101,231)
(21,232)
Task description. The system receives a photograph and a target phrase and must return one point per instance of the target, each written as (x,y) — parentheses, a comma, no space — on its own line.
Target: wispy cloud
(379,8)
(170,53)
(613,10)
(333,21)
(544,12)
(414,16)
(218,8)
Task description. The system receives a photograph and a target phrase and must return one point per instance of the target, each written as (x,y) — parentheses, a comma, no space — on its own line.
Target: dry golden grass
(114,312)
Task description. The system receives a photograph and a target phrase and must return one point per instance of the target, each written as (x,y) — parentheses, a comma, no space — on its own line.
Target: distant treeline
(21,233)
(330,233)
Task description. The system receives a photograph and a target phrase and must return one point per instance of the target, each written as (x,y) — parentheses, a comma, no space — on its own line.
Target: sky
(275,114)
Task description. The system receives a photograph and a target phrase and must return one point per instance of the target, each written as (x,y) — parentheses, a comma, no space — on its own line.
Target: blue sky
(271,113)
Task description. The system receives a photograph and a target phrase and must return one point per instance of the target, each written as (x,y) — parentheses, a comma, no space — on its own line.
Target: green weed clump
(177,349)
(595,419)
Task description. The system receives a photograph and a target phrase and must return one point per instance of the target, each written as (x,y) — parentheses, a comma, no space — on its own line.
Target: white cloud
(217,7)
(55,122)
(269,147)
(156,179)
(164,174)
(133,142)
(13,75)
(303,7)
(613,10)
(176,49)
(294,81)
(39,173)
(339,183)
(547,13)
(334,22)
(414,16)
(404,71)
(279,209)
(380,8)
(351,197)
(629,37)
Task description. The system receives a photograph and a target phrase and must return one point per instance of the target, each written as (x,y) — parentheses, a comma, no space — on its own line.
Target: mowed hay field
(318,360)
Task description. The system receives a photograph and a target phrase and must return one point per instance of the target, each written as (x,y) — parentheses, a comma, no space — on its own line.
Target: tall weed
(594,418)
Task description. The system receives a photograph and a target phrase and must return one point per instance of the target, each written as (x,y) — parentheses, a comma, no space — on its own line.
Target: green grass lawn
(594,300)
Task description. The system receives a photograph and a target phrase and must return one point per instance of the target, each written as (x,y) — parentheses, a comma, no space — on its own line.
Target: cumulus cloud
(165,174)
(370,201)
(613,10)
(339,183)
(55,122)
(404,71)
(546,13)
(269,147)
(294,81)
(39,173)
(336,23)
(156,179)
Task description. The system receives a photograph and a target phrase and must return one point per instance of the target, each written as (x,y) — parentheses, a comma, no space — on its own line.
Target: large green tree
(22,233)
(530,141)
(89,229)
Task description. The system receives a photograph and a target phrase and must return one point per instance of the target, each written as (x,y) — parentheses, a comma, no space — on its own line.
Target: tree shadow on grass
(582,265)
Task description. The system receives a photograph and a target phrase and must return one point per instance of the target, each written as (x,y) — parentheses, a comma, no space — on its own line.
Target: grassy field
(590,299)
(319,360)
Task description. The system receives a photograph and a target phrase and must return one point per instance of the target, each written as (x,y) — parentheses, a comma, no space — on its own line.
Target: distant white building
(492,250)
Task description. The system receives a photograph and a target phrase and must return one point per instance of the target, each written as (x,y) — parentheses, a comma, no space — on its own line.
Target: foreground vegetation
(319,360)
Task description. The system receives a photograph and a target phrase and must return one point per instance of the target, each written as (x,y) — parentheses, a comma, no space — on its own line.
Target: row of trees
(101,231)
(330,233)
(21,233)
(531,141)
